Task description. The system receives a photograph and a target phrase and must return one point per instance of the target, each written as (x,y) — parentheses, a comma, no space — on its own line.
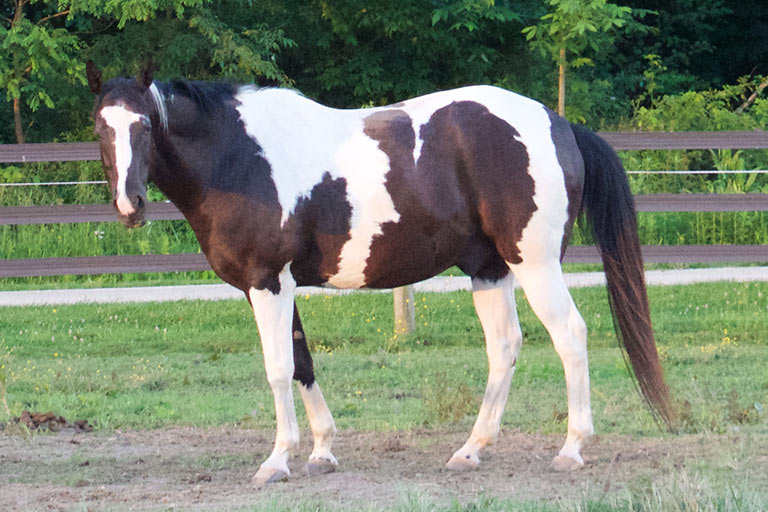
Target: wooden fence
(192,262)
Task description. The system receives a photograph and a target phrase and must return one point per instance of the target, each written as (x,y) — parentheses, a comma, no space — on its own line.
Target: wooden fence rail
(758,139)
(13,153)
(74,213)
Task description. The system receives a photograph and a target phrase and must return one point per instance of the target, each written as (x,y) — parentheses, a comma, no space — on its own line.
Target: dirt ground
(211,469)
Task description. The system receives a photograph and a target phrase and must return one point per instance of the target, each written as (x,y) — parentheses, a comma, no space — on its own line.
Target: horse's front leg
(273,310)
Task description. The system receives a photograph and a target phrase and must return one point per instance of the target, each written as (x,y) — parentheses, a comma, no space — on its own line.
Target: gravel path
(436,284)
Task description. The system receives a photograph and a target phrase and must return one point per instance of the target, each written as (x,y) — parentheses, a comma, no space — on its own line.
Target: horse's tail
(610,210)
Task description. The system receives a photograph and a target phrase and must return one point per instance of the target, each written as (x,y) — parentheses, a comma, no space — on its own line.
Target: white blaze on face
(120,119)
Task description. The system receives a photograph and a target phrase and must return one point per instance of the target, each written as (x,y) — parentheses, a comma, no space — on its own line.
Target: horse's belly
(402,252)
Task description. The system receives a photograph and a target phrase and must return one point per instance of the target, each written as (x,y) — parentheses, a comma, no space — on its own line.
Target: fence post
(405,315)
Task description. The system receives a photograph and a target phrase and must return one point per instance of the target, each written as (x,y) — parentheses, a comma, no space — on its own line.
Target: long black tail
(610,210)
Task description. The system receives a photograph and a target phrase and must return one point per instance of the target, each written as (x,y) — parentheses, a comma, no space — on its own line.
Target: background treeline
(640,65)
(349,53)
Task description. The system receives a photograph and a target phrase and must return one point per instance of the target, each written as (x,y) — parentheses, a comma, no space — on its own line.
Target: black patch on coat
(570,159)
(497,168)
(323,223)
(303,370)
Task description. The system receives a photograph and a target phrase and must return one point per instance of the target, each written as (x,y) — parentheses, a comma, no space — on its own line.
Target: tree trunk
(17,121)
(752,97)
(561,84)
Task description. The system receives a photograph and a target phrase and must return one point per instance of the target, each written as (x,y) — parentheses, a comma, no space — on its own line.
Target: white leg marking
(274,317)
(495,306)
(120,119)
(322,425)
(549,298)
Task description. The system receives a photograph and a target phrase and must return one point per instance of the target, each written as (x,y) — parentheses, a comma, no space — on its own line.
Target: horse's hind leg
(320,420)
(495,306)
(549,298)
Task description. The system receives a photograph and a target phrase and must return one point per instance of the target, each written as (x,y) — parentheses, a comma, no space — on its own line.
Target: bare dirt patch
(47,421)
(211,469)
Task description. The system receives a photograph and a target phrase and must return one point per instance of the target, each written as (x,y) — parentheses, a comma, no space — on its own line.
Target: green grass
(198,363)
(683,495)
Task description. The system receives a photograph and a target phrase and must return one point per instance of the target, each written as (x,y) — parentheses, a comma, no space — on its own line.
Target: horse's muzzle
(136,218)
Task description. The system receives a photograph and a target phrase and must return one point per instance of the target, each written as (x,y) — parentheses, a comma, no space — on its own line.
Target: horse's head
(123,116)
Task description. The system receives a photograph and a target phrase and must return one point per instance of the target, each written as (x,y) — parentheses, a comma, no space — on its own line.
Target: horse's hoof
(458,463)
(319,467)
(563,464)
(267,475)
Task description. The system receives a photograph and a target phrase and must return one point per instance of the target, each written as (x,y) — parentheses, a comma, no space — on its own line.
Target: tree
(35,53)
(571,27)
(353,52)
(44,44)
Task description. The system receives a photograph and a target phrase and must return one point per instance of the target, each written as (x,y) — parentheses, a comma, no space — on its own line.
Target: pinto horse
(283,192)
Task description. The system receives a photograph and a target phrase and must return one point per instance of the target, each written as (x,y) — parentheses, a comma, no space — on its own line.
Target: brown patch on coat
(465,202)
(324,222)
(434,219)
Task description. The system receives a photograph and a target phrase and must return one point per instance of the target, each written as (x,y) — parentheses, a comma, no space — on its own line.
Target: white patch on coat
(364,166)
(495,305)
(549,298)
(320,422)
(302,141)
(120,119)
(542,237)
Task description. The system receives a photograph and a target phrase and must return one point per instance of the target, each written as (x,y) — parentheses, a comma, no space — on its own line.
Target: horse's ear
(145,74)
(94,77)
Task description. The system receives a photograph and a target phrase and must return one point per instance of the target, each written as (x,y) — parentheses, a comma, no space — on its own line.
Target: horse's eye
(146,124)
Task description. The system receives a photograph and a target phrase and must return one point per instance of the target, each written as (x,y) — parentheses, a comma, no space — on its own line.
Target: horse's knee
(279,379)
(503,356)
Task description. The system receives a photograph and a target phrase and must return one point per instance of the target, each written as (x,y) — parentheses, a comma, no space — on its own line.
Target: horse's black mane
(206,95)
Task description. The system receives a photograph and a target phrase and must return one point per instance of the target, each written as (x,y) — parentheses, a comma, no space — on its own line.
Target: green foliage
(469,14)
(45,43)
(708,110)
(34,56)
(573,24)
(571,27)
(350,54)
(685,37)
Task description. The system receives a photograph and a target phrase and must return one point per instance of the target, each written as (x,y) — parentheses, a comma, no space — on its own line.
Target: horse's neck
(189,151)
(175,171)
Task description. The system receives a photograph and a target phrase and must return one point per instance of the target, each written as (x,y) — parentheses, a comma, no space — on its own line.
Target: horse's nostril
(139,202)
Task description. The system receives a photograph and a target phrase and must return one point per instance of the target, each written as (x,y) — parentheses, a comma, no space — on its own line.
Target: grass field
(127,366)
